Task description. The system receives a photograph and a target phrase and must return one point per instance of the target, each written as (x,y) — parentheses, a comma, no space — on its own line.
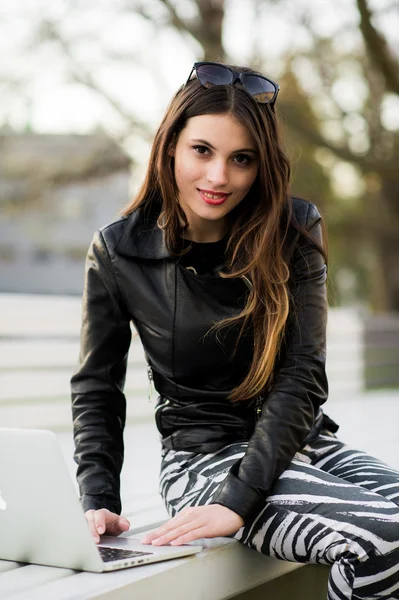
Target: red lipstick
(213,198)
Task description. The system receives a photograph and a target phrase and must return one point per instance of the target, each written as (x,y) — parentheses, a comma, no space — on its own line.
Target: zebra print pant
(334,505)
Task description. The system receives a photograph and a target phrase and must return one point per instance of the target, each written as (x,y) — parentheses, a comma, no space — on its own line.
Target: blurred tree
(323,134)
(377,48)
(370,230)
(206,26)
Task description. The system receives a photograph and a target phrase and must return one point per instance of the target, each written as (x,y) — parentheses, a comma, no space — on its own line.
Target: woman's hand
(193,523)
(104,522)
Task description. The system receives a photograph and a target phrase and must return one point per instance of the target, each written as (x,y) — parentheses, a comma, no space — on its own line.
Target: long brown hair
(256,234)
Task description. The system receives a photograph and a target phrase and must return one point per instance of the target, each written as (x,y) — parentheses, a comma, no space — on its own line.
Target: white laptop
(41,518)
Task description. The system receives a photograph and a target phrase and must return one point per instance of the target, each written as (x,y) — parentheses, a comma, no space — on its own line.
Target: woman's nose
(217,173)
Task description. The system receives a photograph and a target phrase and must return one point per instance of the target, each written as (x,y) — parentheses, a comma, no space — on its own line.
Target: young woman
(223,274)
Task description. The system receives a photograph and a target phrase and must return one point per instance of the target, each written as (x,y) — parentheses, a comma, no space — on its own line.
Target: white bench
(224,569)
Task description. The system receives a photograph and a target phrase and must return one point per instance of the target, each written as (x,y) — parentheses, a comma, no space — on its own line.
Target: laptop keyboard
(109,554)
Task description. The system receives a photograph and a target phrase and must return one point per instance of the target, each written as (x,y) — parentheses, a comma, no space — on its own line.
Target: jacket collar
(141,237)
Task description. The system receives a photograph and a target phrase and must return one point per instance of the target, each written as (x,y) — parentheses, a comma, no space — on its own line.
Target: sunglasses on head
(209,74)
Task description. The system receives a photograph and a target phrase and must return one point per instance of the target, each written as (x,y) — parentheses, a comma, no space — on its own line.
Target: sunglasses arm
(189,77)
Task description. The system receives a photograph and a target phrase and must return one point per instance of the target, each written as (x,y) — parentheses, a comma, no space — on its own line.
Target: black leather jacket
(131,276)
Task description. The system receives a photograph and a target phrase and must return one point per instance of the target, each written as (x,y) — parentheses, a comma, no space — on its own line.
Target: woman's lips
(213,198)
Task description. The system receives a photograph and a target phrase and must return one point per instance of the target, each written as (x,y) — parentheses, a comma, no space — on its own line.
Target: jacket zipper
(258,406)
(150,376)
(161,405)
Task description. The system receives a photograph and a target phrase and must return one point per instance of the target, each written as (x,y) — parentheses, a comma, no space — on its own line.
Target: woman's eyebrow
(200,141)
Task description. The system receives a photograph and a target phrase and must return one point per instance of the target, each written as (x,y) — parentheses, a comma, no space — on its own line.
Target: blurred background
(83,86)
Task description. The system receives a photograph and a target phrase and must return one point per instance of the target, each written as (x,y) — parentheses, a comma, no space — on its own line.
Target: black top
(204,257)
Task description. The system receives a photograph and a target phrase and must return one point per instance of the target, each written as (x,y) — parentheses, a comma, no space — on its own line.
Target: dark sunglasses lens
(210,75)
(261,89)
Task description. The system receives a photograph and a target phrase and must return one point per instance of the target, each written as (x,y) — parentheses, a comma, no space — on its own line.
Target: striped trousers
(333,505)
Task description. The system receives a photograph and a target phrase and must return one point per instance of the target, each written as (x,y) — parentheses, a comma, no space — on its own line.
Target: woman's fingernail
(100,529)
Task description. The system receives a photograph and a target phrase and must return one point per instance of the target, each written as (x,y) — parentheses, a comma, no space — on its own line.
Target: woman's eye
(242,159)
(201,149)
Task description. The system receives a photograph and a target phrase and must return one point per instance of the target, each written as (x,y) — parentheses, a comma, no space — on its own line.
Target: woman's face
(216,163)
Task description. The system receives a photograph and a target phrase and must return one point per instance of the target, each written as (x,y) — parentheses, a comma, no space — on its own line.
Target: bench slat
(49,353)
(25,578)
(8,565)
(53,383)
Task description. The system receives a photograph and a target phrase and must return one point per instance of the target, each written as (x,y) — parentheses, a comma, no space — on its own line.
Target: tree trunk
(209,31)
(389,242)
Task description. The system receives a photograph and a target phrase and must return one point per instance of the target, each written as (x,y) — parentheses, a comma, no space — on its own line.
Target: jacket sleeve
(98,402)
(300,385)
